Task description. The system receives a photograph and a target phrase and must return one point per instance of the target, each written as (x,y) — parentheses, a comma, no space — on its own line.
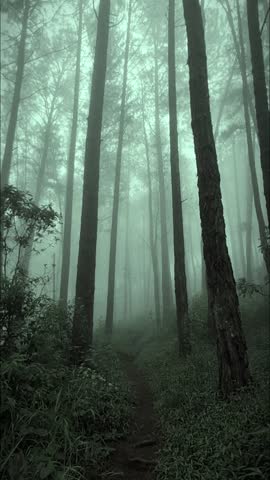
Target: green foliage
(56,420)
(21,221)
(247,289)
(204,437)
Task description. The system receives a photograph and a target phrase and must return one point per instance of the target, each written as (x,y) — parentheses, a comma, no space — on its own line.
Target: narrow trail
(135,456)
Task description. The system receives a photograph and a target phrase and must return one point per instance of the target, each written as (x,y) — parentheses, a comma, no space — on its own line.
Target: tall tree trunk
(239,47)
(7,158)
(238,211)
(82,332)
(166,283)
(178,231)
(260,93)
(192,259)
(70,171)
(231,345)
(153,246)
(127,262)
(223,101)
(113,240)
(249,215)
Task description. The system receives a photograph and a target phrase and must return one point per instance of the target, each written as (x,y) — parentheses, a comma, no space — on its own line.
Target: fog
(134,242)
(47,96)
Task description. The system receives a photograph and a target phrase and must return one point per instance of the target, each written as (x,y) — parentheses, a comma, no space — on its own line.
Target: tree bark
(70,172)
(260,94)
(82,332)
(7,158)
(231,346)
(178,231)
(166,283)
(153,248)
(113,240)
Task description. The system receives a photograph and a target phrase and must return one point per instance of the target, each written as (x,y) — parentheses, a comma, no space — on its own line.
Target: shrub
(57,421)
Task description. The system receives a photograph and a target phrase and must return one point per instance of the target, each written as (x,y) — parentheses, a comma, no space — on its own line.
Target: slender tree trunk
(260,94)
(203,273)
(166,283)
(238,211)
(70,172)
(7,158)
(113,240)
(239,46)
(153,248)
(231,345)
(223,101)
(127,263)
(249,230)
(85,283)
(178,231)
(191,255)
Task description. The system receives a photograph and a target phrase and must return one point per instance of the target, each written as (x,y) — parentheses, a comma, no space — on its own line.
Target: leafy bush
(22,223)
(56,421)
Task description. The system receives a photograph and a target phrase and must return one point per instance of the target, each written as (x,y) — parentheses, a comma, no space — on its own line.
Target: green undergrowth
(204,437)
(57,421)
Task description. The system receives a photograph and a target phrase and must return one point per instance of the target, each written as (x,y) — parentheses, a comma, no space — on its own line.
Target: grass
(204,437)
(57,421)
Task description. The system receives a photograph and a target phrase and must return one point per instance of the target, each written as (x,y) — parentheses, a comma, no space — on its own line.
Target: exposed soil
(135,456)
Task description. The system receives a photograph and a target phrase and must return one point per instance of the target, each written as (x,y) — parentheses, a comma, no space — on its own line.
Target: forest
(135,244)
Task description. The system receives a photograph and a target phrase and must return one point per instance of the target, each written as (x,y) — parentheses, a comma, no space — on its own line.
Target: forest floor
(134,457)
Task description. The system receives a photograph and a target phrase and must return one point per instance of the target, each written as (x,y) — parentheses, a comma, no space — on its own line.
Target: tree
(82,331)
(152,242)
(7,158)
(178,232)
(231,345)
(113,239)
(47,138)
(166,284)
(70,171)
(127,266)
(240,51)
(260,94)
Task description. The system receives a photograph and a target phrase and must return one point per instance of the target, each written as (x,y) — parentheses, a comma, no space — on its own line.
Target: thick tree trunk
(166,283)
(153,248)
(239,47)
(7,158)
(231,345)
(85,283)
(113,240)
(70,172)
(178,231)
(260,93)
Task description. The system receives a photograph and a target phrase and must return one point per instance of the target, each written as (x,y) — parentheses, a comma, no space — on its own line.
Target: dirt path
(135,456)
